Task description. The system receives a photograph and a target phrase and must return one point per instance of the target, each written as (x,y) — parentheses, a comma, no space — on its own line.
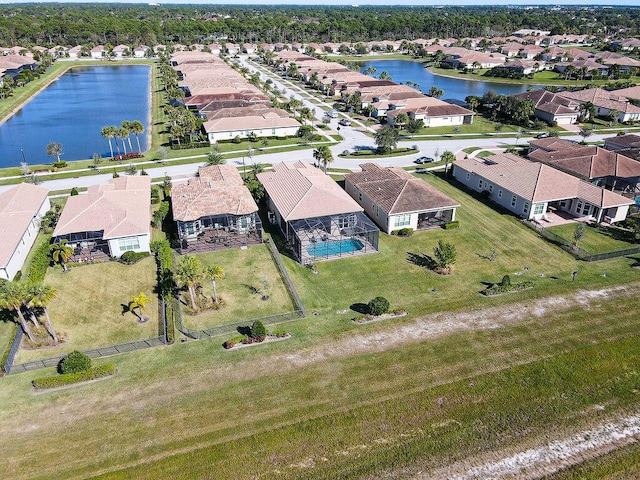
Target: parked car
(542,135)
(332,114)
(421,170)
(344,122)
(422,160)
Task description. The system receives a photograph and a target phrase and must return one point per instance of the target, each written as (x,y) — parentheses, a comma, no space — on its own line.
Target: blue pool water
(334,247)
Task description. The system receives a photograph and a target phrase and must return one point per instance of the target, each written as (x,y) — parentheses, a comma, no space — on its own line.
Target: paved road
(353,138)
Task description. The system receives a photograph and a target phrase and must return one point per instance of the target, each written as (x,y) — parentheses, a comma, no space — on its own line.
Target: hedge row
(450,225)
(39,264)
(499,288)
(44,383)
(130,257)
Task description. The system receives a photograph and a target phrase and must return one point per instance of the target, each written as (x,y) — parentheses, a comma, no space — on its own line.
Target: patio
(89,251)
(219,239)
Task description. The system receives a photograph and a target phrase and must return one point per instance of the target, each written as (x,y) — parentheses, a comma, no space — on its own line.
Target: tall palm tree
(61,252)
(436,92)
(139,302)
(213,273)
(323,155)
(12,297)
(108,133)
(40,296)
(188,273)
(137,128)
(449,157)
(126,125)
(123,133)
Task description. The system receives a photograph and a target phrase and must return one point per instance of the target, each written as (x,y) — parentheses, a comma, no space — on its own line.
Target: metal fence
(17,338)
(578,252)
(93,353)
(285,277)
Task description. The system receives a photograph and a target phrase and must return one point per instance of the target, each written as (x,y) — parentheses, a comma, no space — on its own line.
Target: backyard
(594,240)
(250,275)
(91,306)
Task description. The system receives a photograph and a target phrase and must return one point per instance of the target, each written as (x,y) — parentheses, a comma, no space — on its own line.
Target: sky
(351,2)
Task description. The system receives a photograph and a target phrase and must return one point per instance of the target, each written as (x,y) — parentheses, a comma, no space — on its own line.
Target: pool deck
(307,258)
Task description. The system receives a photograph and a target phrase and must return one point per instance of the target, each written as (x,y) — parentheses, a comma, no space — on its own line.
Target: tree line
(70,25)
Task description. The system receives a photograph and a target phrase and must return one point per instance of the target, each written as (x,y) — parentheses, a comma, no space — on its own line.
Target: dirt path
(545,459)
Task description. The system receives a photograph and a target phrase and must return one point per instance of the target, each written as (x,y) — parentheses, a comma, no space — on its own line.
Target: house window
(129,243)
(480,184)
(538,209)
(587,209)
(579,206)
(402,220)
(525,208)
(360,196)
(514,199)
(347,221)
(490,188)
(273,131)
(499,193)
(468,175)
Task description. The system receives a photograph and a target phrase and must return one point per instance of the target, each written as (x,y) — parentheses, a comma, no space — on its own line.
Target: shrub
(74,192)
(450,225)
(258,330)
(403,232)
(130,257)
(378,306)
(75,362)
(233,341)
(499,288)
(71,378)
(60,164)
(126,156)
(506,281)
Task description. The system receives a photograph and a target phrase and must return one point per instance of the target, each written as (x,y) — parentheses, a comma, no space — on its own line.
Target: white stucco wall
(260,133)
(143,240)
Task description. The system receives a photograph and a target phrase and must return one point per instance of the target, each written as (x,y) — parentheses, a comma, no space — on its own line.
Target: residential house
(395,199)
(264,125)
(21,208)
(606,102)
(611,170)
(432,111)
(109,219)
(552,107)
(215,210)
(98,52)
(532,190)
(319,220)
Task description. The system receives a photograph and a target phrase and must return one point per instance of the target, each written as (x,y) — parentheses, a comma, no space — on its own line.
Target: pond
(72,111)
(402,71)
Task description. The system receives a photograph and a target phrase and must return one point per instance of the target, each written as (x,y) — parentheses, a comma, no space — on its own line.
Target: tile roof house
(395,199)
(317,217)
(552,107)
(112,218)
(606,102)
(532,189)
(21,208)
(215,210)
(611,170)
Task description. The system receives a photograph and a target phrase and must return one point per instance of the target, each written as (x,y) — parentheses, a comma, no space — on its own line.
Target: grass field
(89,306)
(460,376)
(593,241)
(249,274)
(618,465)
(278,410)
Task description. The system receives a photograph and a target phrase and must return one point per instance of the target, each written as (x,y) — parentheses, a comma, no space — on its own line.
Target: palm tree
(54,150)
(109,132)
(188,274)
(435,92)
(137,128)
(12,297)
(40,295)
(386,138)
(61,253)
(122,133)
(126,125)
(139,302)
(213,273)
(323,155)
(215,158)
(449,157)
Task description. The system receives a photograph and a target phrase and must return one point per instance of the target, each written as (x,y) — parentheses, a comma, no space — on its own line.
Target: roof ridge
(406,182)
(535,185)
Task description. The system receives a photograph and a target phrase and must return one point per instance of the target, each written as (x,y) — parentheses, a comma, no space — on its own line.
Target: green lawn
(89,306)
(480,125)
(245,271)
(392,273)
(593,242)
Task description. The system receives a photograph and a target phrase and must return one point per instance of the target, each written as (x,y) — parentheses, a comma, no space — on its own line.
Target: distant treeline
(77,24)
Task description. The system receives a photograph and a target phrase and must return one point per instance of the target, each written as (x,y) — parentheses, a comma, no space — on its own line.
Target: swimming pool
(334,247)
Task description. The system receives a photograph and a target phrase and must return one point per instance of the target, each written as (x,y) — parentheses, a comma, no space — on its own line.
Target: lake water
(402,71)
(73,110)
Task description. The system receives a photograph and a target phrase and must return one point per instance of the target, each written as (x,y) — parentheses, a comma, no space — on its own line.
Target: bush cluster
(60,164)
(44,383)
(75,362)
(450,225)
(258,331)
(187,146)
(39,264)
(378,306)
(126,156)
(508,287)
(130,257)
(403,232)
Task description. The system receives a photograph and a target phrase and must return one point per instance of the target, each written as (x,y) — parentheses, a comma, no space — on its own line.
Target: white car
(332,114)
